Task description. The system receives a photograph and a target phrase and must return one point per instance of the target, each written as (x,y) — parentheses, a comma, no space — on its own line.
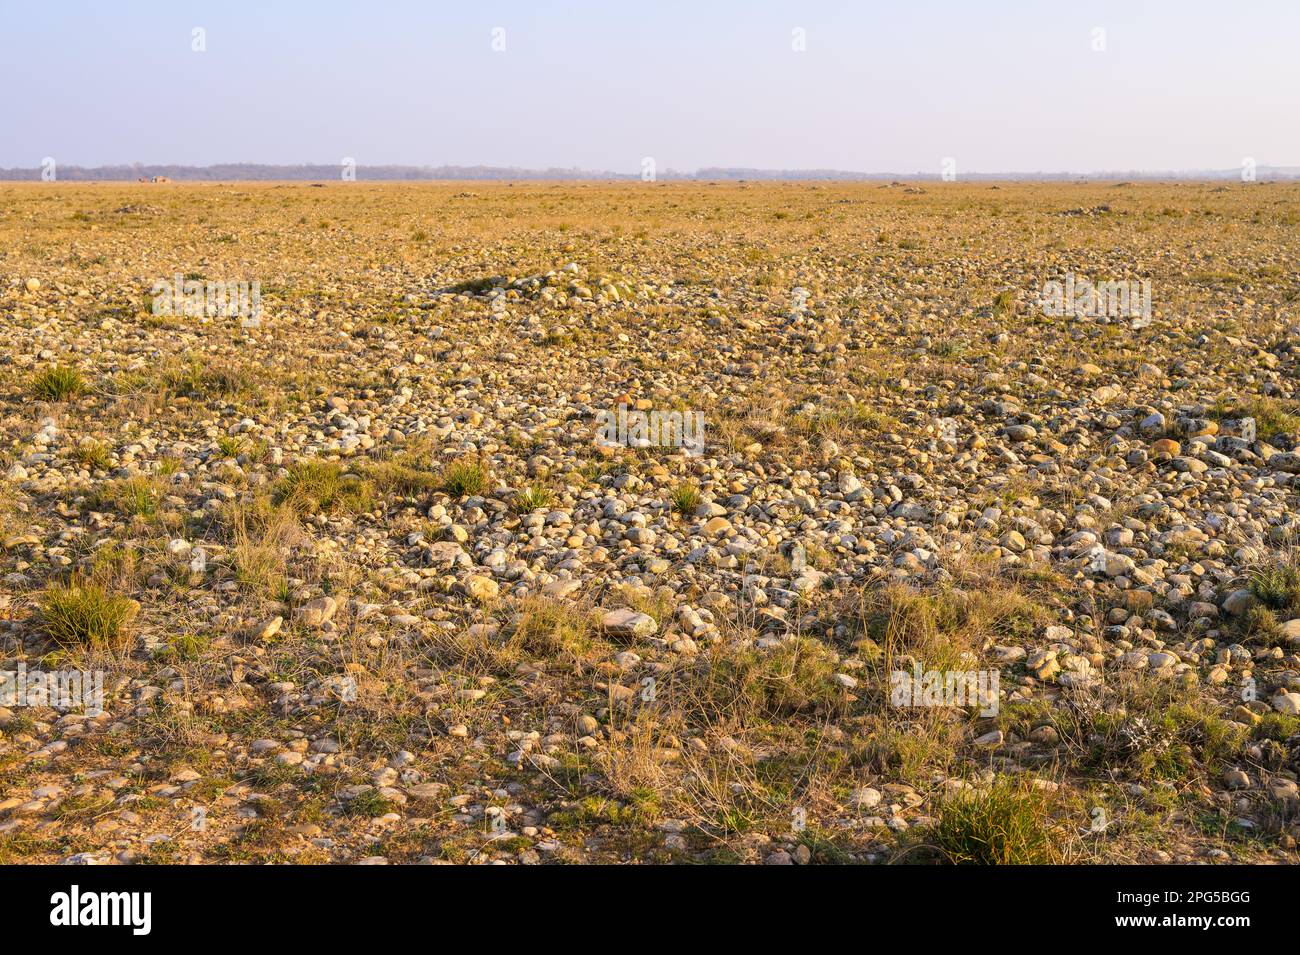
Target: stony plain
(366,589)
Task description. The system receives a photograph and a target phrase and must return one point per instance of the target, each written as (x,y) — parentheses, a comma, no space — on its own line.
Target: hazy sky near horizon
(1011,86)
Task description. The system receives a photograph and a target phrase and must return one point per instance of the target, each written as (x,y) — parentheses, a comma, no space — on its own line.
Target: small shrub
(938,627)
(186,648)
(1260,621)
(261,535)
(1158,734)
(83,614)
(195,379)
(1277,726)
(1272,416)
(593,811)
(906,750)
(847,420)
(556,337)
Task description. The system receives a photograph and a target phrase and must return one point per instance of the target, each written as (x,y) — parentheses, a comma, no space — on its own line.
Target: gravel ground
(364,585)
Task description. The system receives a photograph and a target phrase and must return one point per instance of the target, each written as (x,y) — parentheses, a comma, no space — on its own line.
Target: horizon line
(481,172)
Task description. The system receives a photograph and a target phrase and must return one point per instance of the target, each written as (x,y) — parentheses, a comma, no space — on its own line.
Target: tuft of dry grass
(464,477)
(135,497)
(322,487)
(1276,585)
(93,455)
(685,499)
(261,533)
(749,686)
(58,383)
(1007,823)
(549,628)
(943,626)
(82,614)
(532,498)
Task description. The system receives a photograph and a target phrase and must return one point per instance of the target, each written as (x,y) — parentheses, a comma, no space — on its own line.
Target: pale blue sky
(1007,86)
